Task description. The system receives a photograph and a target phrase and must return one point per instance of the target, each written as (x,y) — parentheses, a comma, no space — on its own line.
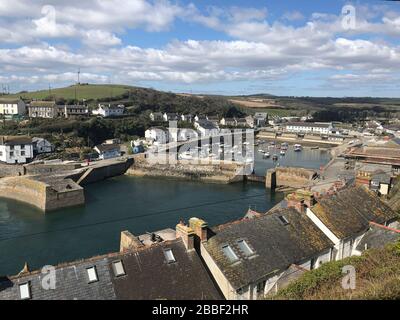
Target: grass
(88,92)
(377,277)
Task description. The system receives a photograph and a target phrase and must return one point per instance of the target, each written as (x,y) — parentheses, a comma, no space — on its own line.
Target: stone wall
(289,177)
(40,194)
(221,172)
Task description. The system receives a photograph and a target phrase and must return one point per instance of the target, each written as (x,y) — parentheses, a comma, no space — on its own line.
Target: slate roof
(107,147)
(71,283)
(42,104)
(15,140)
(309,124)
(349,211)
(206,124)
(9,100)
(276,246)
(149,276)
(377,237)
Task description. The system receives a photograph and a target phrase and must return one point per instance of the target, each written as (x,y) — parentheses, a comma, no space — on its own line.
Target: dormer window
(169,256)
(229,253)
(245,248)
(283,220)
(25,291)
(92,274)
(118,268)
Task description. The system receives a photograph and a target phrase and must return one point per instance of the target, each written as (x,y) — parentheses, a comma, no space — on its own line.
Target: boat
(297,147)
(266,155)
(282,152)
(261,151)
(275,157)
(315,148)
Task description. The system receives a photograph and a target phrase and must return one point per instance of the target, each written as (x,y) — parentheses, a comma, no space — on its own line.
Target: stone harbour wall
(40,194)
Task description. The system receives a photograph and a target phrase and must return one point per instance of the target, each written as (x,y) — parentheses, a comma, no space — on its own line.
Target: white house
(156,116)
(250,258)
(159,135)
(229,122)
(109,110)
(206,128)
(41,145)
(345,218)
(187,117)
(310,127)
(15,149)
(170,117)
(200,117)
(12,107)
(108,151)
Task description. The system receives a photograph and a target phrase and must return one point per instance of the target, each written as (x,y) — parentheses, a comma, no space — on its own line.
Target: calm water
(141,204)
(128,203)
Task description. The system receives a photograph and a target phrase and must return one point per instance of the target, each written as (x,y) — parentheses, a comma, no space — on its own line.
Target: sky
(288,47)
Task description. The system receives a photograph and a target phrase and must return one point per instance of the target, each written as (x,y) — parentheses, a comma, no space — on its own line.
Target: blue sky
(301,48)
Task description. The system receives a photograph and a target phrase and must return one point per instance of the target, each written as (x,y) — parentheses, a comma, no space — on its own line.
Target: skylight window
(24,291)
(283,220)
(229,253)
(245,248)
(169,256)
(118,268)
(92,274)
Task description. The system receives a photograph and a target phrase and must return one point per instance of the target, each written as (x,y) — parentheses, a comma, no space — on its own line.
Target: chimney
(300,200)
(187,235)
(200,228)
(129,242)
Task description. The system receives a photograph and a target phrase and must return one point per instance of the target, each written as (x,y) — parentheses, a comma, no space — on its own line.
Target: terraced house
(153,266)
(12,107)
(15,149)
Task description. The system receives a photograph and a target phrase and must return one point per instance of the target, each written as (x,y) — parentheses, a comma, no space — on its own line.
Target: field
(88,92)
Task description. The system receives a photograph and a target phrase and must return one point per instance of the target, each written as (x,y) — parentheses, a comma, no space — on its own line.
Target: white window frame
(118,264)
(92,274)
(25,291)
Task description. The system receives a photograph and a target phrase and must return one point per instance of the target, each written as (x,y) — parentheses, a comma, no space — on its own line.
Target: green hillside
(82,91)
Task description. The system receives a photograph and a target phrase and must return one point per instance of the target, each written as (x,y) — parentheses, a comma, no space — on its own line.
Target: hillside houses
(160,266)
(109,110)
(12,107)
(50,110)
(16,149)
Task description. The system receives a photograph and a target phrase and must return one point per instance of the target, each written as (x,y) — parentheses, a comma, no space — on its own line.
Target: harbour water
(128,203)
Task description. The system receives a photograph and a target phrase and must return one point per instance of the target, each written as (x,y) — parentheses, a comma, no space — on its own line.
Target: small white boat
(186,156)
(275,157)
(282,153)
(297,147)
(261,151)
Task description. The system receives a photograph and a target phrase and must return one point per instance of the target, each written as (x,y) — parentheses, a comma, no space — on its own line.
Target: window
(261,286)
(22,146)
(92,274)
(118,268)
(11,154)
(244,247)
(169,255)
(25,291)
(1,153)
(11,147)
(229,253)
(22,153)
(283,220)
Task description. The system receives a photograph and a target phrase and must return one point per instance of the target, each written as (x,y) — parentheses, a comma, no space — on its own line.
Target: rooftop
(349,211)
(277,240)
(15,140)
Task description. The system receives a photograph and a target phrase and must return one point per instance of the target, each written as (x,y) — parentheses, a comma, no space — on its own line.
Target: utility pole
(79,74)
